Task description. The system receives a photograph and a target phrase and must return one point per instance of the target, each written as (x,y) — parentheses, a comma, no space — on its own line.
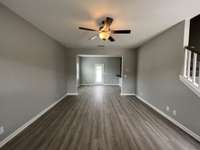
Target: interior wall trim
(72,94)
(127,94)
(94,84)
(24,126)
(178,124)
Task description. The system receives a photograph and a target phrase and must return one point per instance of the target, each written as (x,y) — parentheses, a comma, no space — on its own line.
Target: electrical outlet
(1,130)
(167,108)
(174,112)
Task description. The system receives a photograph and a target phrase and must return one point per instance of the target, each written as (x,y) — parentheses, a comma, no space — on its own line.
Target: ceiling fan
(104,31)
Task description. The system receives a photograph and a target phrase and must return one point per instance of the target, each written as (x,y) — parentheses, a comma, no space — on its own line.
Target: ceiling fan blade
(109,20)
(111,39)
(88,29)
(93,37)
(121,31)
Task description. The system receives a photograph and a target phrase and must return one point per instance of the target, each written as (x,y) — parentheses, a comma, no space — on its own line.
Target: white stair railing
(192,67)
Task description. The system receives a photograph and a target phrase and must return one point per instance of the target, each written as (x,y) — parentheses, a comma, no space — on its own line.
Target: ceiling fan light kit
(104,35)
(105,32)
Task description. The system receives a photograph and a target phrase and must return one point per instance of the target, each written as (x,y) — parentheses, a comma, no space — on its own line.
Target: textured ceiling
(146,18)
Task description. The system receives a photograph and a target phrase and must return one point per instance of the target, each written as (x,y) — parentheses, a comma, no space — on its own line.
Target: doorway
(101,70)
(99,73)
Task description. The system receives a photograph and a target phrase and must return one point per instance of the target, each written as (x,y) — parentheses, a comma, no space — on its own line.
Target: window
(99,70)
(191,75)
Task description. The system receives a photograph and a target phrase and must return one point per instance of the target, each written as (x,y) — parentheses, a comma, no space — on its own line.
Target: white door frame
(90,55)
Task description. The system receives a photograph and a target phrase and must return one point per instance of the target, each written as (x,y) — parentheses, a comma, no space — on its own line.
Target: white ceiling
(146,18)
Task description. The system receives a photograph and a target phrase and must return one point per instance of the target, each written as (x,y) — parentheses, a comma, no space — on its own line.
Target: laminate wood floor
(100,119)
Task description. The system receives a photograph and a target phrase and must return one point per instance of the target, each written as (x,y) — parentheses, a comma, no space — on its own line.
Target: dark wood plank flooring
(100,119)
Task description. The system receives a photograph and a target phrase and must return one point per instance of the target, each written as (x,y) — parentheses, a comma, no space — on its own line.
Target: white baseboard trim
(127,94)
(112,84)
(20,129)
(93,84)
(90,84)
(188,131)
(72,94)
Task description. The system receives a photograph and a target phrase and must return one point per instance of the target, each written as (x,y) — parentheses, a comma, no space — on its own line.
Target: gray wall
(32,71)
(160,62)
(111,69)
(129,65)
